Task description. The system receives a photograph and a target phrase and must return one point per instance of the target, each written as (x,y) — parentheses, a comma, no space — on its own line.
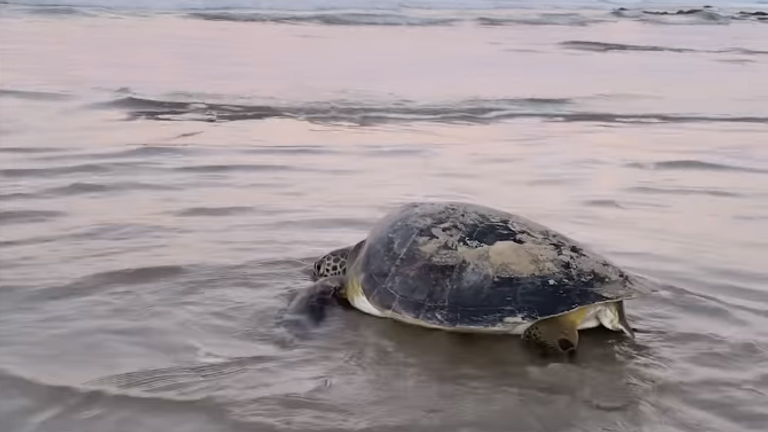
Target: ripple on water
(213,211)
(28,216)
(751,218)
(141,152)
(95,284)
(682,191)
(32,150)
(33,401)
(694,165)
(289,150)
(324,223)
(79,188)
(606,203)
(236,168)
(132,276)
(102,168)
(716,377)
(607,47)
(87,188)
(33,95)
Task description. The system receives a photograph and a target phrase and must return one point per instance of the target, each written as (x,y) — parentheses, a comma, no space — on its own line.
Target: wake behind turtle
(469,268)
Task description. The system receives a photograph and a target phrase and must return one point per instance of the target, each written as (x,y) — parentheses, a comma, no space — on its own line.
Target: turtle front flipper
(309,306)
(556,334)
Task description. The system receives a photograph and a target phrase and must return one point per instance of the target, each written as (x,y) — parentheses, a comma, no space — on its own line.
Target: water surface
(169,170)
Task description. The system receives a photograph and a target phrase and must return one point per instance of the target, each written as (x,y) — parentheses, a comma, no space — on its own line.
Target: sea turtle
(470,268)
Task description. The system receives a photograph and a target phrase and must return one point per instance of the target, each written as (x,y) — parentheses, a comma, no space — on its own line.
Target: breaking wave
(487,18)
(473,111)
(606,47)
(703,15)
(26,216)
(695,165)
(682,191)
(330,18)
(392,13)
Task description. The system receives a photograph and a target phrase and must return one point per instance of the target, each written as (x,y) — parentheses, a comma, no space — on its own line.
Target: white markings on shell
(503,258)
(534,255)
(508,258)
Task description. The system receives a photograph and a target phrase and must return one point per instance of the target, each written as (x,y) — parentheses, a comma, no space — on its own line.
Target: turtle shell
(453,264)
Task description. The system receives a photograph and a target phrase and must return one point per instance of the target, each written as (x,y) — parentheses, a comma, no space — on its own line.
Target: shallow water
(168,174)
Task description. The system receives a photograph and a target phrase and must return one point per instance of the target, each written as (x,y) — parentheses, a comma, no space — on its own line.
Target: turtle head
(335,263)
(558,334)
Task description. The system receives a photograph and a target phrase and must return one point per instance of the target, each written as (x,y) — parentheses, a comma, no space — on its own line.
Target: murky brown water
(148,243)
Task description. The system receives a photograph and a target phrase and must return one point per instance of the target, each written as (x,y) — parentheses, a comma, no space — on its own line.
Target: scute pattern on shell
(457,264)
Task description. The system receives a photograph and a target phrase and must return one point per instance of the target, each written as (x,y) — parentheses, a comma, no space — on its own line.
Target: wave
(419,13)
(42,172)
(66,170)
(33,95)
(155,379)
(141,108)
(235,168)
(132,276)
(52,393)
(703,15)
(213,211)
(328,18)
(561,19)
(472,111)
(606,203)
(53,11)
(695,165)
(31,150)
(324,223)
(86,188)
(27,216)
(141,152)
(606,47)
(334,112)
(289,150)
(378,18)
(80,188)
(682,191)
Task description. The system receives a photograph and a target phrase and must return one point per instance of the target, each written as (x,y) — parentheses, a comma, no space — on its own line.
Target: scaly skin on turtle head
(335,263)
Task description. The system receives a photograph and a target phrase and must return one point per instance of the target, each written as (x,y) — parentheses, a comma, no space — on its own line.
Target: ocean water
(169,169)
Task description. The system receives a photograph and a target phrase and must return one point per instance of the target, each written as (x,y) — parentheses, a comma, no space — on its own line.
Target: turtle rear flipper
(556,334)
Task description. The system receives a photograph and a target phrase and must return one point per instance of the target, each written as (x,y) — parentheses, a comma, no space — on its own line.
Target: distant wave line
(606,47)
(410,16)
(470,111)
